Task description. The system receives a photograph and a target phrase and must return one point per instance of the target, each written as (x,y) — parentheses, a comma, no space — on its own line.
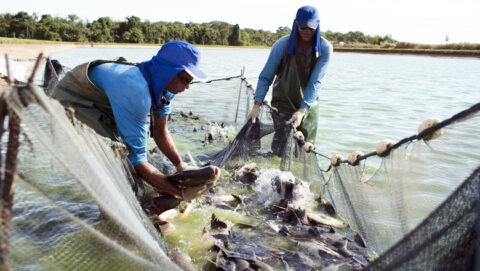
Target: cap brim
(310,23)
(197,74)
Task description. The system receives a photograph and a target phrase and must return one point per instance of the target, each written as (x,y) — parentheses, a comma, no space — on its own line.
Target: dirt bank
(26,54)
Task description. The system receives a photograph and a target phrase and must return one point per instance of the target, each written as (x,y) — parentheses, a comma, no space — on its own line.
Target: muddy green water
(364,99)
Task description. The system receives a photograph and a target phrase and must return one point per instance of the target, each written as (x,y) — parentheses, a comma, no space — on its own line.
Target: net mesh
(74,201)
(391,201)
(446,240)
(75,209)
(387,200)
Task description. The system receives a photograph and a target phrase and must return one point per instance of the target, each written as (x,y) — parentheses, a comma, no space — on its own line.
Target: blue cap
(183,55)
(307,16)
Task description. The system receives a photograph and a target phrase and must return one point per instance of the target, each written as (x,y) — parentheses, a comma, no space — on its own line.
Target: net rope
(384,203)
(394,199)
(72,182)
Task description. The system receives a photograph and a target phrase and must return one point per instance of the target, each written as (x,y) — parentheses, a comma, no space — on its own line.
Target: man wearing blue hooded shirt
(114,98)
(298,62)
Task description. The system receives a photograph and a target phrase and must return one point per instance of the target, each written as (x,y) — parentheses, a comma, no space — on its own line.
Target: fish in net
(74,203)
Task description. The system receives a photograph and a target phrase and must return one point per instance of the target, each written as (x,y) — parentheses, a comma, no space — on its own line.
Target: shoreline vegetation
(23,28)
(48,47)
(406,51)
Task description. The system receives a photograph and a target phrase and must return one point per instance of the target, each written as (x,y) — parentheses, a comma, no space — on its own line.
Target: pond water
(364,99)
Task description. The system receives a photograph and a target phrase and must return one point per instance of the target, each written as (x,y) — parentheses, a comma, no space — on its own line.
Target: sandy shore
(26,54)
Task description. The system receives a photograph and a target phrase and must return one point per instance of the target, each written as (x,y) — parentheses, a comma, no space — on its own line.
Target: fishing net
(388,199)
(74,207)
(52,73)
(446,240)
(386,203)
(229,102)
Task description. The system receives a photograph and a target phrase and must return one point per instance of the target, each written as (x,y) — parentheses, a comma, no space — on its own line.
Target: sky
(418,21)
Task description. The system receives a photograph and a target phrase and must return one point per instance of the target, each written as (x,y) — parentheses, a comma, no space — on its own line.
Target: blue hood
(158,73)
(293,41)
(172,58)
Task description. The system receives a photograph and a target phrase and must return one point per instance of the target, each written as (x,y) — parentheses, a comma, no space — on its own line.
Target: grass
(33,41)
(470,50)
(438,52)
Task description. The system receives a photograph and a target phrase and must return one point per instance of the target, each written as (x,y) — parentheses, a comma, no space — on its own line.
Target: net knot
(427,124)
(354,157)
(309,147)
(300,135)
(335,160)
(383,145)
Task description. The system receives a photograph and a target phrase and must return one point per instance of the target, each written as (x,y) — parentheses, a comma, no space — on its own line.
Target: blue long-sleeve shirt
(279,49)
(129,96)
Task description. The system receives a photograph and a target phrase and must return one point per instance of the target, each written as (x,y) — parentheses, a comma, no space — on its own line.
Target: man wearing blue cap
(298,62)
(114,98)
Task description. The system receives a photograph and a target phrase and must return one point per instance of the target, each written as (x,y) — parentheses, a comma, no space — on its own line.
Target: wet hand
(253,115)
(182,166)
(297,118)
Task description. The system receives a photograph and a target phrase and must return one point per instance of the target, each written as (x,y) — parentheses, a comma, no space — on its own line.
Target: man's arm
(267,75)
(124,84)
(164,140)
(316,78)
(165,143)
(153,176)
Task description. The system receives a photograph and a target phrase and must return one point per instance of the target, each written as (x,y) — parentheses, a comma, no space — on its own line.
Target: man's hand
(156,179)
(297,118)
(182,166)
(253,115)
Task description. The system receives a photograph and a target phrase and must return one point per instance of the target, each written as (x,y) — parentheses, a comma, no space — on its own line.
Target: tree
(23,25)
(130,31)
(5,22)
(234,38)
(72,18)
(136,36)
(223,30)
(283,31)
(133,30)
(47,29)
(101,30)
(158,32)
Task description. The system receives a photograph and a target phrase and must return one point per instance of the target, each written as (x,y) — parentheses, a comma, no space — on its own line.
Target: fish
(189,116)
(181,259)
(293,216)
(194,177)
(218,230)
(195,182)
(164,202)
(323,219)
(319,249)
(298,261)
(167,215)
(272,225)
(228,202)
(247,173)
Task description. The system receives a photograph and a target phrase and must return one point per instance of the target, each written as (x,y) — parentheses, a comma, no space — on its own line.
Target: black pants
(282,132)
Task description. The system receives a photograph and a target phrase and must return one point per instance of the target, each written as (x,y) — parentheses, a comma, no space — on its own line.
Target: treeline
(134,30)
